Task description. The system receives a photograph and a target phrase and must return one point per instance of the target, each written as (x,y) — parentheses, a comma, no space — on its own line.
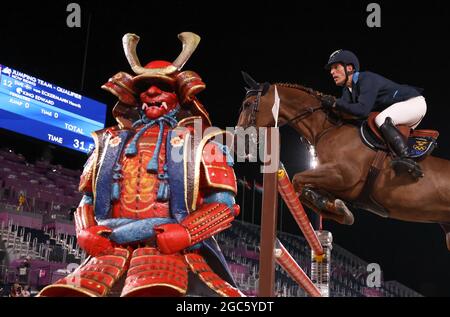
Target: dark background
(274,41)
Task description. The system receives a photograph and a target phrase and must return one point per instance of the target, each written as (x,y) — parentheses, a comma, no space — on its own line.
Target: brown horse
(344,160)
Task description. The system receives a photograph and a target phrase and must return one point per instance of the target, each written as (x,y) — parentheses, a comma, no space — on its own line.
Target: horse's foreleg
(326,206)
(323,178)
(327,177)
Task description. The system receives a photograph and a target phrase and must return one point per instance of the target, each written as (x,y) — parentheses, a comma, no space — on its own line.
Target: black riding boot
(401,162)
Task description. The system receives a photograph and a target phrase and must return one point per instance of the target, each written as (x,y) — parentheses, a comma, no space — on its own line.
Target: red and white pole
(287,192)
(287,262)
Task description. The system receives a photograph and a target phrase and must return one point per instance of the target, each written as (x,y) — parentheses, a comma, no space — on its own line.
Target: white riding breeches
(409,112)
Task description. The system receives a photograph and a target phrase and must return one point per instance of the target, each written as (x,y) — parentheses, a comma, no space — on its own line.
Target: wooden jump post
(269,215)
(276,180)
(271,249)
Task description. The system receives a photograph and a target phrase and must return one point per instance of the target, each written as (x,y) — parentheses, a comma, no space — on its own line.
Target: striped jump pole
(320,243)
(287,192)
(287,262)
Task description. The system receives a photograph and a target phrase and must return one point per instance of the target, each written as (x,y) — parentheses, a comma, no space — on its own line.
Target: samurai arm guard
(202,224)
(209,220)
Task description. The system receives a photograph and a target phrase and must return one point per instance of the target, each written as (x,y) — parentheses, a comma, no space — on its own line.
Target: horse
(345,161)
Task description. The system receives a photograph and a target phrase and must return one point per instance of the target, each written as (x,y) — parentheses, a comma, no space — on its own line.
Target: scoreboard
(45,111)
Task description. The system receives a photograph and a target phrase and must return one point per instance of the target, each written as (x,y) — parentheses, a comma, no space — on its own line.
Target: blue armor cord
(115,192)
(152,167)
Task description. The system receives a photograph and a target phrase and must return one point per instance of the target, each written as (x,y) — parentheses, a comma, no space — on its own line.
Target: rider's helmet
(343,57)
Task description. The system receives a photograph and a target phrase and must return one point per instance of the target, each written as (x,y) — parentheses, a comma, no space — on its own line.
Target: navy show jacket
(373,92)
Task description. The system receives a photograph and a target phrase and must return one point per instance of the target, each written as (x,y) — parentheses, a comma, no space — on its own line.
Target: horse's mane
(319,95)
(333,116)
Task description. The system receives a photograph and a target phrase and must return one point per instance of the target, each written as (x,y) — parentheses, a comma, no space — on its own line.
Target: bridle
(262,90)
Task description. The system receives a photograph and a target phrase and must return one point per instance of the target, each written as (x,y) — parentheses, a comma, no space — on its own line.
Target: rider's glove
(328,101)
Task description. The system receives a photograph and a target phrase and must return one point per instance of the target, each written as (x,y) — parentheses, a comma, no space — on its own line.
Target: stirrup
(406,165)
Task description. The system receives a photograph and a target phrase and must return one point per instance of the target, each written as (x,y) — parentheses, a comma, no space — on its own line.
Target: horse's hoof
(447,239)
(349,219)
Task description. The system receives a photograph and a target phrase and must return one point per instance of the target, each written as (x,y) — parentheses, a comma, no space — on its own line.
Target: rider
(365,92)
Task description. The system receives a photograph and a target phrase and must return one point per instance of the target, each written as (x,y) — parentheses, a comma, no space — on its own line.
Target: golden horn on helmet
(190,42)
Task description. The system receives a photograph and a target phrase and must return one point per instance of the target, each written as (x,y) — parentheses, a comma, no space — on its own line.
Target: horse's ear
(250,81)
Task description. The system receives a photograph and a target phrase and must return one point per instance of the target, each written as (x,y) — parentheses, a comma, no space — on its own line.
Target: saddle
(420,144)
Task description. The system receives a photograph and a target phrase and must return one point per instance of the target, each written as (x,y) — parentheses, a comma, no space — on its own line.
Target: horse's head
(300,107)
(253,114)
(256,109)
(297,102)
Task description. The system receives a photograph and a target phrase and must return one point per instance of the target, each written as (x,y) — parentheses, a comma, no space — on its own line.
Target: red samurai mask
(158,87)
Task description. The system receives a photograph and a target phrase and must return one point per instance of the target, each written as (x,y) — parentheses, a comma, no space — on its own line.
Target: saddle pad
(420,146)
